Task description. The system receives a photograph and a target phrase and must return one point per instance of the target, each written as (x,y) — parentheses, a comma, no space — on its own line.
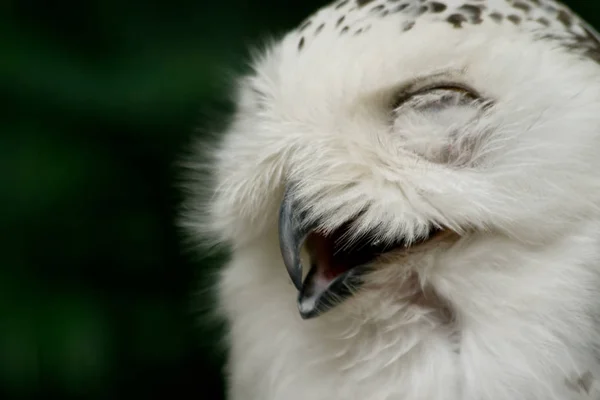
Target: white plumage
(468,131)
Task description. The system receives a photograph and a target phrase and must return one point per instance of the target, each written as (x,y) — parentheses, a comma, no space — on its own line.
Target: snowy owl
(409,190)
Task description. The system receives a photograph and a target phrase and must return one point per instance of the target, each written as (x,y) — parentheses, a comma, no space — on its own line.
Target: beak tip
(307,308)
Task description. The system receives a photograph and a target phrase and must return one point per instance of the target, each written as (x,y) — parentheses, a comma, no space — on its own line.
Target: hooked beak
(331,279)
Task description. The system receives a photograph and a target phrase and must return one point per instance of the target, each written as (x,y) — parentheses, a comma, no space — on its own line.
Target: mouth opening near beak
(336,265)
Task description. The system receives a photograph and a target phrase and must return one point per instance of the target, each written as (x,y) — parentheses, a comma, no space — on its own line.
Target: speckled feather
(544,19)
(478,116)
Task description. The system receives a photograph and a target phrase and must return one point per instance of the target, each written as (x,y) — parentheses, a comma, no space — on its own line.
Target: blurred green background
(99,297)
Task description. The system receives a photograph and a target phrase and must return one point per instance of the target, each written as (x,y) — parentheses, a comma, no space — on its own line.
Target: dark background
(99,297)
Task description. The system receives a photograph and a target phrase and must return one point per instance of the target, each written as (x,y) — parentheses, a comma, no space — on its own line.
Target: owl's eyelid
(416,89)
(455,86)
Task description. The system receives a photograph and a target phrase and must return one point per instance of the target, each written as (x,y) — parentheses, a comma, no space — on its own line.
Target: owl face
(380,136)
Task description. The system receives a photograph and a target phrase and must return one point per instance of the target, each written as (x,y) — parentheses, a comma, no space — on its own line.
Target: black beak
(292,235)
(320,291)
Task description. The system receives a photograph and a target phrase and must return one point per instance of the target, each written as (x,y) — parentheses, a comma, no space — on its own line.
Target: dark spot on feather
(543,21)
(515,19)
(496,16)
(522,6)
(362,3)
(341,4)
(456,20)
(401,7)
(474,12)
(437,7)
(470,8)
(301,43)
(565,18)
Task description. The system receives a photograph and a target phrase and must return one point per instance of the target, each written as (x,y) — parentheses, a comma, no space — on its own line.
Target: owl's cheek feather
(338,261)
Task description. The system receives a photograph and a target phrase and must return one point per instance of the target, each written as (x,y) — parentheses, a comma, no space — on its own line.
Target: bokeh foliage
(98,295)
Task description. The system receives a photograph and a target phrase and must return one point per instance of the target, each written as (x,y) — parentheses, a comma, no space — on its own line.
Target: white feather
(520,181)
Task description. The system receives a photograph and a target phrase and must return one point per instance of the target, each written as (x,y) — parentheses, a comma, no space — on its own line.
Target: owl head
(382,145)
